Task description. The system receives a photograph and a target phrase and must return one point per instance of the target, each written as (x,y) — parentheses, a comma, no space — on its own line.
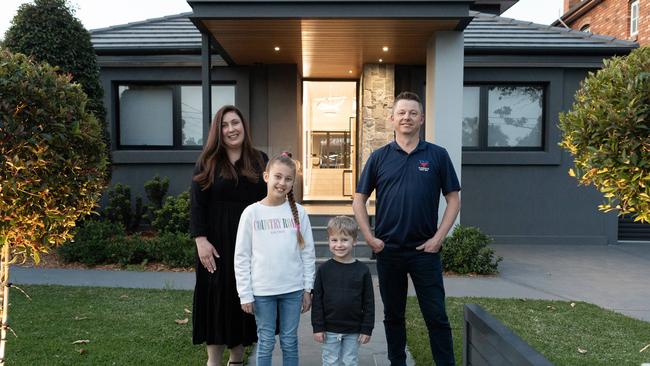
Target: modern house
(318,78)
(623,19)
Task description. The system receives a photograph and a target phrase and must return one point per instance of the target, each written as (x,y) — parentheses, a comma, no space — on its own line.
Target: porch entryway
(329,111)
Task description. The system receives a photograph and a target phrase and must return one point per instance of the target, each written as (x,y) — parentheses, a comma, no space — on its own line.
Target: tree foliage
(608,133)
(48,31)
(52,156)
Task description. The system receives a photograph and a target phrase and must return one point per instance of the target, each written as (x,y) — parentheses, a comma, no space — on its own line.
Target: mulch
(51,260)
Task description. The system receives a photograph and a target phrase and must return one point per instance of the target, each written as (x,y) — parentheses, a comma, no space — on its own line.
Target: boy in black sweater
(343,306)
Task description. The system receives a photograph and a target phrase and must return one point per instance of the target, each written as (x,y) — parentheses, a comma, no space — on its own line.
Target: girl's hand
(248,308)
(306,302)
(319,337)
(207,252)
(364,338)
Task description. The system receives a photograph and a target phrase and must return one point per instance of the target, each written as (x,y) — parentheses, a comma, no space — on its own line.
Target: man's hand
(206,252)
(376,244)
(363,338)
(306,302)
(248,308)
(319,337)
(432,245)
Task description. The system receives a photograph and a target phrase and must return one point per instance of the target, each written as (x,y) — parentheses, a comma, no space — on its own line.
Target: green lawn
(137,327)
(123,327)
(554,328)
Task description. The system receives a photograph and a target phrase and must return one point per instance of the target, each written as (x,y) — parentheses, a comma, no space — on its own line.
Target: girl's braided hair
(285,158)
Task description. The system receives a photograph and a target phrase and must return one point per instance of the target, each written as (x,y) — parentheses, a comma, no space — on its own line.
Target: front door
(329,117)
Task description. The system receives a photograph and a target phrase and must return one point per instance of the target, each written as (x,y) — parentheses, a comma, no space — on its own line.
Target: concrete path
(613,277)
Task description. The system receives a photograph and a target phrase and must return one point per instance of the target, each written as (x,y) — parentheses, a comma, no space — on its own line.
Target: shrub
(467,251)
(174,249)
(52,157)
(156,189)
(93,243)
(608,133)
(174,216)
(103,242)
(133,249)
(48,31)
(119,211)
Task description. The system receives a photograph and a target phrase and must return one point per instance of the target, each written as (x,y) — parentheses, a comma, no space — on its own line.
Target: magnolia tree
(608,133)
(52,162)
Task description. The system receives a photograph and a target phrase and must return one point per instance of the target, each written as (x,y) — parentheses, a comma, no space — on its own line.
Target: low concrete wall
(486,341)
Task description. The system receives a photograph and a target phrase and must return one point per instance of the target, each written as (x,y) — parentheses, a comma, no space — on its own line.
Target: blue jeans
(267,308)
(340,349)
(425,269)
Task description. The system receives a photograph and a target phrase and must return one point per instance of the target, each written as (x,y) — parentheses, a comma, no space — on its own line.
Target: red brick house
(622,19)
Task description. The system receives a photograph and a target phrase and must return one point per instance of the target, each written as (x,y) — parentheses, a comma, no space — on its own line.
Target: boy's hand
(363,338)
(248,308)
(319,337)
(306,302)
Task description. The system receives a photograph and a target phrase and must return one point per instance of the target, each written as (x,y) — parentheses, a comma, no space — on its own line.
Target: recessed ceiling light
(381,60)
(349,71)
(385,48)
(276,48)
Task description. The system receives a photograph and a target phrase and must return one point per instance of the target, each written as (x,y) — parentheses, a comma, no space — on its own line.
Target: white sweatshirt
(268,260)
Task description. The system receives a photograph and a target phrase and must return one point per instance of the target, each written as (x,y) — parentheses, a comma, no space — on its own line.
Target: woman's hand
(306,302)
(248,308)
(207,253)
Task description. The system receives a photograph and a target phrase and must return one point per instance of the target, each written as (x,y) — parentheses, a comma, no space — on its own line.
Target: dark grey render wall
(134,167)
(268,95)
(527,197)
(521,203)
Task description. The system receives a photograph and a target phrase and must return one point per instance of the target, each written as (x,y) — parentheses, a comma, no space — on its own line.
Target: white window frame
(634,20)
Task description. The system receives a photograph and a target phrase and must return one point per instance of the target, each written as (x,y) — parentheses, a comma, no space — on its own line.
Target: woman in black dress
(227,178)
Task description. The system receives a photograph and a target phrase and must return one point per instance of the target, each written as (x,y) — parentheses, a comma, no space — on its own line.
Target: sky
(99,14)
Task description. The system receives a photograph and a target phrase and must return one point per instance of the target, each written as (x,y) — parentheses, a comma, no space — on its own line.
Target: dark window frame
(177,128)
(553,79)
(483,119)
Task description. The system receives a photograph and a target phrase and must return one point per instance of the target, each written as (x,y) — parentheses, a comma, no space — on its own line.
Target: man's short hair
(407,95)
(343,224)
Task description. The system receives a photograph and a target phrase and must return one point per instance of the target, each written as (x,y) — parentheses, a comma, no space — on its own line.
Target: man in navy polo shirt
(409,175)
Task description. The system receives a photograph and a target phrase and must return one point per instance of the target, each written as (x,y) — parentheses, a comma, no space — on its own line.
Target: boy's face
(341,246)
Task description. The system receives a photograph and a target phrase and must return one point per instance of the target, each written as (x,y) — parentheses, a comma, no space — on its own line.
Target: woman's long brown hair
(285,158)
(215,158)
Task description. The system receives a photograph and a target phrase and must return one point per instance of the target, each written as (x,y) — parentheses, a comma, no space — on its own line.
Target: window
(165,116)
(503,117)
(634,18)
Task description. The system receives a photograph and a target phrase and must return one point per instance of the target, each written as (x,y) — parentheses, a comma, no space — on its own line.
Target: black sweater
(344,301)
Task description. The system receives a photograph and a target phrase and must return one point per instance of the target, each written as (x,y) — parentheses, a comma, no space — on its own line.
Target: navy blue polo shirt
(408,190)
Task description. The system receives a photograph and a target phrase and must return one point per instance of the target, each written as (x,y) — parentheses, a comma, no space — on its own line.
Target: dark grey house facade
(318,78)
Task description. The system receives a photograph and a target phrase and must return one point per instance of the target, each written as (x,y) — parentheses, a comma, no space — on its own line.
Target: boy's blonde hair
(343,224)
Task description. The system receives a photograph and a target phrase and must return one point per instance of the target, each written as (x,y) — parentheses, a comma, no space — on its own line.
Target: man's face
(407,117)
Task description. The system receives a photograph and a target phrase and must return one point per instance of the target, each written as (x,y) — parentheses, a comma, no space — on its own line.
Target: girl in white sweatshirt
(274,262)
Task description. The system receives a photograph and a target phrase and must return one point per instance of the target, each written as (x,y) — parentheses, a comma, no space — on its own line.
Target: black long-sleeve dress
(217,317)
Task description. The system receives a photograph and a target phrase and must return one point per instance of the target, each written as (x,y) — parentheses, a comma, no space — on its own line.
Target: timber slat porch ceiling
(326,48)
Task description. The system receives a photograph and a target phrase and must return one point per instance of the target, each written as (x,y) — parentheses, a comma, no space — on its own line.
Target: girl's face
(232,130)
(279,180)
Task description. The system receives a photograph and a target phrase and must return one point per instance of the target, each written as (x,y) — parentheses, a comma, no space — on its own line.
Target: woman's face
(232,130)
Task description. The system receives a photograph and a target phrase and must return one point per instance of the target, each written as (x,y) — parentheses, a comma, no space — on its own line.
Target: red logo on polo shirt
(423,165)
